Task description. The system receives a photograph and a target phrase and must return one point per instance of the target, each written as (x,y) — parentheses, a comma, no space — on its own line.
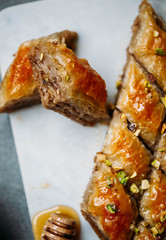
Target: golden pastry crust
(149,34)
(153,202)
(68,85)
(125,151)
(18,87)
(115,226)
(143,233)
(140,101)
(160,153)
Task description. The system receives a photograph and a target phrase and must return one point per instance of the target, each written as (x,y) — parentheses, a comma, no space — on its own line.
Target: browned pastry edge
(25,101)
(136,25)
(100,233)
(155,85)
(70,111)
(84,210)
(93,222)
(135,29)
(75,105)
(65,36)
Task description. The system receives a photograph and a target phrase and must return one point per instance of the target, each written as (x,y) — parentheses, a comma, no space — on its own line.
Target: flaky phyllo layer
(126,196)
(18,87)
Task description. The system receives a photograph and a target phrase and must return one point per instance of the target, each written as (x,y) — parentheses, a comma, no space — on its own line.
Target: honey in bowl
(40,219)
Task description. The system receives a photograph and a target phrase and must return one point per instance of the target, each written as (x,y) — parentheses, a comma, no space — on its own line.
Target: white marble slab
(55,153)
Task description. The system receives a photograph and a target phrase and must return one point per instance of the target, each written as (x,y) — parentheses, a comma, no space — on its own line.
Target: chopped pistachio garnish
(136,230)
(101,157)
(156,164)
(121,174)
(163,99)
(160,228)
(134,188)
(41,56)
(147,86)
(137,132)
(112,208)
(160,51)
(155,34)
(124,180)
(154,231)
(132,226)
(108,163)
(163,216)
(134,175)
(145,184)
(118,84)
(122,177)
(163,128)
(162,149)
(109,182)
(67,78)
(123,116)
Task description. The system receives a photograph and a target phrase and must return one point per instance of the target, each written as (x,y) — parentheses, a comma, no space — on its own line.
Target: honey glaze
(39,220)
(115,224)
(20,81)
(86,79)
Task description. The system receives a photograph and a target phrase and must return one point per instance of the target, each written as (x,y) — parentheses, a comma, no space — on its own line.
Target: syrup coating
(20,81)
(143,233)
(18,87)
(140,104)
(115,225)
(68,85)
(125,151)
(83,77)
(153,202)
(144,43)
(160,152)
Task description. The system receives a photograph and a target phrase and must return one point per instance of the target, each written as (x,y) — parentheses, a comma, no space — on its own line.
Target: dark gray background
(14,217)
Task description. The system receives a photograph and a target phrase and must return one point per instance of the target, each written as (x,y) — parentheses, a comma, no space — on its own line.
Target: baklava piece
(153,203)
(125,151)
(125,161)
(68,85)
(140,100)
(160,153)
(106,206)
(18,88)
(148,44)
